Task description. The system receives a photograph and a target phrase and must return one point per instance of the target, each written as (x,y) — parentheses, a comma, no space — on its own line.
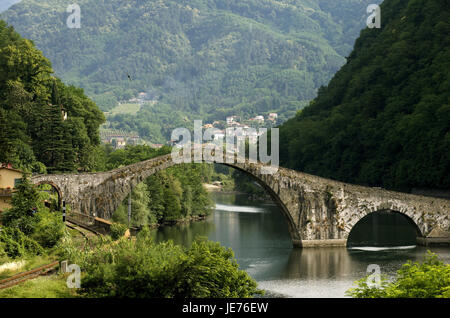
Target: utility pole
(64,211)
(129,210)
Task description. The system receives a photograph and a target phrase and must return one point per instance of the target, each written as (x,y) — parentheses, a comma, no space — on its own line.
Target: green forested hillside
(384,118)
(200,59)
(33,133)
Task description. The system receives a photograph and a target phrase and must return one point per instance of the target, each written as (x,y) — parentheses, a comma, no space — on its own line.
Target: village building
(235,124)
(219,136)
(259,119)
(232,120)
(118,138)
(9,179)
(63,114)
(273,116)
(119,143)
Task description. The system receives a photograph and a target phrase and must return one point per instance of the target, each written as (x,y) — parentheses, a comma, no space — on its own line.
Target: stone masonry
(318,211)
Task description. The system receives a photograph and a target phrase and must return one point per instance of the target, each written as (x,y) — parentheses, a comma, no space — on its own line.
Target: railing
(6,192)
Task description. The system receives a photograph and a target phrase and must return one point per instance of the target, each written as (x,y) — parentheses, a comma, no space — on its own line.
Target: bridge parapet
(316,209)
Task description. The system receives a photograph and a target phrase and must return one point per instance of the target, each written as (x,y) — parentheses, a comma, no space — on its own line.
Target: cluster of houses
(234,121)
(247,128)
(139,99)
(143,97)
(119,138)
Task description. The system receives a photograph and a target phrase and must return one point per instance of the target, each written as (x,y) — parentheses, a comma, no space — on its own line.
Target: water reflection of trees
(321,262)
(183,234)
(324,263)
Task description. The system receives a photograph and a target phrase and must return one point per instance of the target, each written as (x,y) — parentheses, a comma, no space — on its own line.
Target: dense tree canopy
(384,118)
(33,133)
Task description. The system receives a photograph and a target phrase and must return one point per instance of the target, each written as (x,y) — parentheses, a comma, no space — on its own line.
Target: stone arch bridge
(318,211)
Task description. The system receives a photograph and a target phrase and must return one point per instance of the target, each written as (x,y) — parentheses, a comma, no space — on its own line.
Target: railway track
(85,231)
(88,233)
(20,278)
(17,279)
(23,277)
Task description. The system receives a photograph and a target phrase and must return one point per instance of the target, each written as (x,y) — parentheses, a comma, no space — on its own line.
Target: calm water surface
(258,235)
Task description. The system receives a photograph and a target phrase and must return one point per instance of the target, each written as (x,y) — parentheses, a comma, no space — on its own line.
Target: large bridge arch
(292,226)
(318,211)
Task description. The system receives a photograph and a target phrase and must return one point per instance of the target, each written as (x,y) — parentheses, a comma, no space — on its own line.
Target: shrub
(430,279)
(142,269)
(210,270)
(17,244)
(118,230)
(21,215)
(49,230)
(2,250)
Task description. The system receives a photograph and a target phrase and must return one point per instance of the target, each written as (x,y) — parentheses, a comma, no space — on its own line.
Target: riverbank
(214,188)
(194,218)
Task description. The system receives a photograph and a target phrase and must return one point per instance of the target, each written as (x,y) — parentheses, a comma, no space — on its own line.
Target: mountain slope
(200,59)
(384,118)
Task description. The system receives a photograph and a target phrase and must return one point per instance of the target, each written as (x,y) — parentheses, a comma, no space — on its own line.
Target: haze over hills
(5,4)
(384,119)
(199,59)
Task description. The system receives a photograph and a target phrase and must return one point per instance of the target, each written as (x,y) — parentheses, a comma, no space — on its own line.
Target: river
(258,235)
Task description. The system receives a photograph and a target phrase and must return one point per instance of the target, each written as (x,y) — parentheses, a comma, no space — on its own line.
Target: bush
(2,250)
(21,215)
(211,271)
(117,230)
(49,230)
(431,279)
(17,244)
(142,269)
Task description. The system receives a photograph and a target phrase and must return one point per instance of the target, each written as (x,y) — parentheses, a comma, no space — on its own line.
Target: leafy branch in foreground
(430,279)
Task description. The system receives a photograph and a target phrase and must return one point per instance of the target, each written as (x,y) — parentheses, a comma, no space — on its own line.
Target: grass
(53,286)
(42,287)
(37,261)
(30,263)
(78,239)
(131,109)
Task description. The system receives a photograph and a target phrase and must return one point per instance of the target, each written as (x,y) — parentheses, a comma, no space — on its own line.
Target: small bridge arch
(55,187)
(405,229)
